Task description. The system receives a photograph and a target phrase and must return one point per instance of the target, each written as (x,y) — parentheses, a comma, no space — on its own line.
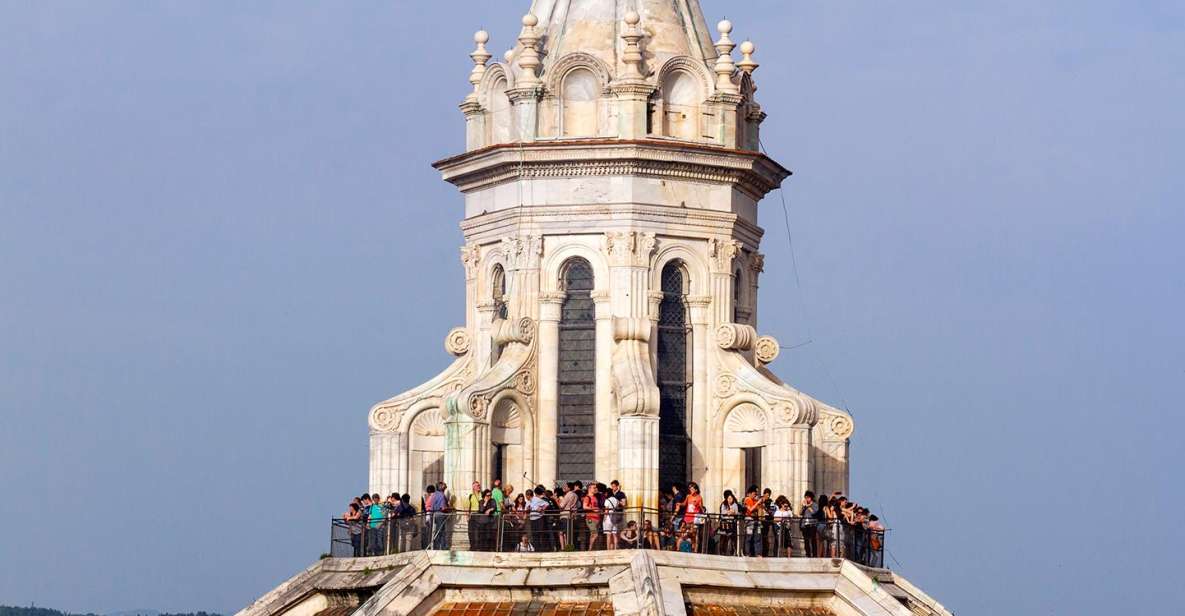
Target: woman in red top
(592,515)
(694,512)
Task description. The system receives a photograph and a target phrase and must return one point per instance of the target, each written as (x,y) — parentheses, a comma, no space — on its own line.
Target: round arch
(694,265)
(554,262)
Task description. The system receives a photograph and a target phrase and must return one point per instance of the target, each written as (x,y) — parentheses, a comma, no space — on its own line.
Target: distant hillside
(7,610)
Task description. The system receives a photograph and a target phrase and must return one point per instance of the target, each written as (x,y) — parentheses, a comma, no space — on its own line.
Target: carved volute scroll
(634,387)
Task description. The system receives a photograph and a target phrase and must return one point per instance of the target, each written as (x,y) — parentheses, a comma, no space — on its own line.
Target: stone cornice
(751,172)
(697,223)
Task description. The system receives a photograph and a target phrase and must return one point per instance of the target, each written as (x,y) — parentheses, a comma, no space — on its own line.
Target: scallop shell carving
(429,423)
(745,417)
(507,416)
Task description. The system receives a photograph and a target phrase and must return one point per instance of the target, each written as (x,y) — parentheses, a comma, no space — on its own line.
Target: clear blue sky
(221,241)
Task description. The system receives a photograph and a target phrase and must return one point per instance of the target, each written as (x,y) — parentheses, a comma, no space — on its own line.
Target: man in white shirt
(538,524)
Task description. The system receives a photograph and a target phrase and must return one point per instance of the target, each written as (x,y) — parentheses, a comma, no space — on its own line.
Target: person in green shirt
(497,495)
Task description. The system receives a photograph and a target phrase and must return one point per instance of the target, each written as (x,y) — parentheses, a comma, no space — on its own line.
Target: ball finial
(748,48)
(724,26)
(508,56)
(632,18)
(530,21)
(481,37)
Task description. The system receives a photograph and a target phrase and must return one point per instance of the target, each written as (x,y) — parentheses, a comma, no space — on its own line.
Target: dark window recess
(672,378)
(752,467)
(499,462)
(575,443)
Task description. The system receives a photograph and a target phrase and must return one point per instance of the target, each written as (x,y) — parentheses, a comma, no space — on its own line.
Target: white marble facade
(614,139)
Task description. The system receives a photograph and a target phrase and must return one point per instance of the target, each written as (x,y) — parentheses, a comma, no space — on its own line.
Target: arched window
(498,292)
(580,92)
(682,96)
(500,121)
(501,311)
(673,381)
(575,437)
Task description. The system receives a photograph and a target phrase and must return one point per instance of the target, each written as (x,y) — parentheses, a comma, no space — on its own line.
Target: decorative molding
(471,258)
(787,411)
(552,297)
(634,388)
(522,252)
(745,417)
(757,262)
(429,422)
(723,251)
(726,385)
(521,331)
(840,426)
(750,172)
(507,415)
(735,337)
(458,341)
(767,349)
(558,71)
(629,248)
(385,418)
(524,382)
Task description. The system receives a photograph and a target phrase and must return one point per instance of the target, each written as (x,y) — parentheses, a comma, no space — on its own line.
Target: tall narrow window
(575,438)
(498,296)
(736,297)
(672,377)
(498,293)
(752,467)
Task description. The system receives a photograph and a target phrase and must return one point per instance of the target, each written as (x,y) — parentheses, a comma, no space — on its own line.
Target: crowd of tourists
(597,516)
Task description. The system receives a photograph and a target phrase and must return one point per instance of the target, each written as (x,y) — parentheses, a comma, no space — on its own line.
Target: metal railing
(551,531)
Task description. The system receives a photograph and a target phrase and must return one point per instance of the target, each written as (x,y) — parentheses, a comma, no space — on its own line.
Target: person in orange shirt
(754,512)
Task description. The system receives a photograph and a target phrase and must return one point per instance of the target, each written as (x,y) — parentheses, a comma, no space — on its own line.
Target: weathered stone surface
(634,582)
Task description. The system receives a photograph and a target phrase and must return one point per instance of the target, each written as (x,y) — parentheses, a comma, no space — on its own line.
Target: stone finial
(529,58)
(633,53)
(747,64)
(480,56)
(724,64)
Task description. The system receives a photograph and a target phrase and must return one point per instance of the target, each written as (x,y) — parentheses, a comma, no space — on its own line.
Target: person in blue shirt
(374,526)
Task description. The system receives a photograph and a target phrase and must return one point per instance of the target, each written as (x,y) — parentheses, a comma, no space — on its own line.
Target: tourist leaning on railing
(599,518)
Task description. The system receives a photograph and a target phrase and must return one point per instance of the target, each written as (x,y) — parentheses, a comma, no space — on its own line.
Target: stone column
(722,251)
(831,452)
(637,401)
(475,126)
(525,103)
(786,463)
(470,260)
(546,429)
(700,308)
(756,267)
(388,454)
(633,377)
(483,343)
(605,428)
(466,451)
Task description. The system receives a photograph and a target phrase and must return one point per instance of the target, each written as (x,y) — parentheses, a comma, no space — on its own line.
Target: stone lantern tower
(611,181)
